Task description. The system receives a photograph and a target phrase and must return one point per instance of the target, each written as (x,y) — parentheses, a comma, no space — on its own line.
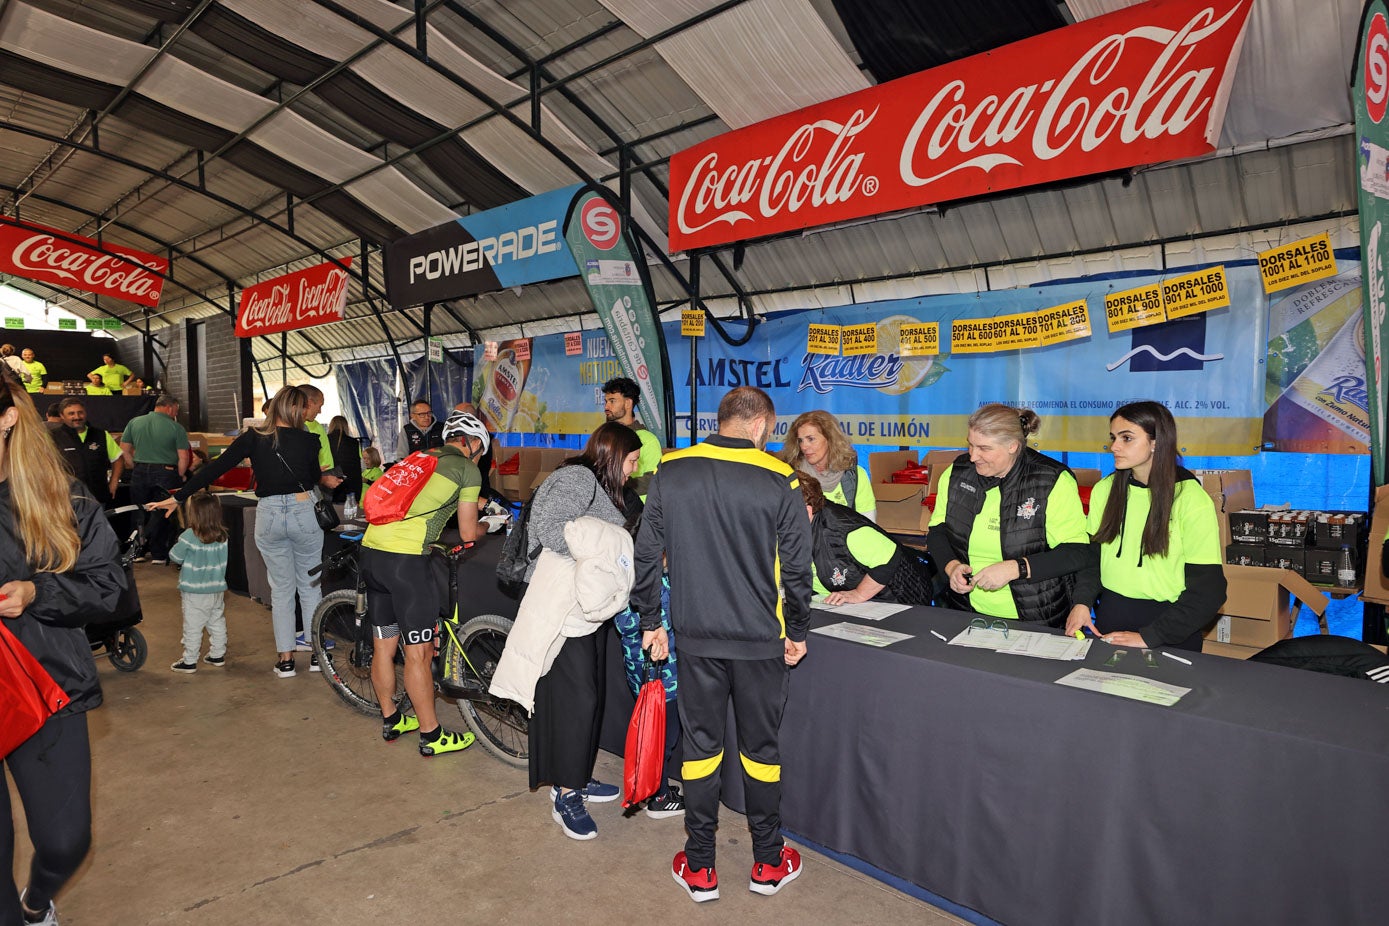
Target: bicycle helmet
(463,423)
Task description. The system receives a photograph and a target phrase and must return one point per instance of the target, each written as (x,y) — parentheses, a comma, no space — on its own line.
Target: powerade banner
(512,245)
(1142,85)
(1370,93)
(1206,367)
(621,295)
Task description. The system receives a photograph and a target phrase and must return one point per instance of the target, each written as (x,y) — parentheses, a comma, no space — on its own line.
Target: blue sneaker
(302,643)
(600,793)
(572,816)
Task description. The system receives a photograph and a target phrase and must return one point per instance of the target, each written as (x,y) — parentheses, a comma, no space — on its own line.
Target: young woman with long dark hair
(568,711)
(1159,580)
(59,569)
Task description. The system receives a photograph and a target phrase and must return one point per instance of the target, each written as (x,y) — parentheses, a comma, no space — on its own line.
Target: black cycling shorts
(401,590)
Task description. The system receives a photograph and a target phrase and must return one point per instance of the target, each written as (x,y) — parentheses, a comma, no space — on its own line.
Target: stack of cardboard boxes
(1307,542)
(521,470)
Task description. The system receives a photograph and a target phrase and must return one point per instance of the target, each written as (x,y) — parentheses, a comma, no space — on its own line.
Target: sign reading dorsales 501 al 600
(1141,85)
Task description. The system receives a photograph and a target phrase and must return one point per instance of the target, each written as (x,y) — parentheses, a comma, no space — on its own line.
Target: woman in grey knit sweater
(568,712)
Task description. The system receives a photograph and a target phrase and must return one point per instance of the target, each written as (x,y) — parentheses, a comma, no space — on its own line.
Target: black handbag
(323,509)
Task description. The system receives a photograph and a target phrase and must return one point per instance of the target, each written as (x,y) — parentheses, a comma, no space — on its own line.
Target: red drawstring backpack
(389,498)
(28,694)
(644,759)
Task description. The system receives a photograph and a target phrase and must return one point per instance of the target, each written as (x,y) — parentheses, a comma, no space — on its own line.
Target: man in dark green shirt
(157,445)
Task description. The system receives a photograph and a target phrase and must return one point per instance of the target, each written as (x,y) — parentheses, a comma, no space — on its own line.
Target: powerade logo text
(867,371)
(486,252)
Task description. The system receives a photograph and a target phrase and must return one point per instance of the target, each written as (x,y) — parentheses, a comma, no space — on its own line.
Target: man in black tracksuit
(731,523)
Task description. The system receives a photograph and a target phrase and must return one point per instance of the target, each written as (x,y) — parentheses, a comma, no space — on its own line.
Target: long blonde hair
(289,405)
(841,456)
(40,486)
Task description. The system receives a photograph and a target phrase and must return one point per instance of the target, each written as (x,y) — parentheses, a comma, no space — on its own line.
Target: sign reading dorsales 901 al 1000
(1141,85)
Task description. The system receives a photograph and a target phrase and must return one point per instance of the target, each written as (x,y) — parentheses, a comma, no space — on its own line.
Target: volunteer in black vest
(1008,523)
(88,451)
(1156,537)
(422,432)
(855,560)
(816,446)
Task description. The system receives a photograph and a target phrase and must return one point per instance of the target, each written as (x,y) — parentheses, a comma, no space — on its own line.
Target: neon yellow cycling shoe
(392,731)
(446,741)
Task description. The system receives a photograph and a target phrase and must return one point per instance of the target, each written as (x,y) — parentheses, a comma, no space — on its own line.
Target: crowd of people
(622,535)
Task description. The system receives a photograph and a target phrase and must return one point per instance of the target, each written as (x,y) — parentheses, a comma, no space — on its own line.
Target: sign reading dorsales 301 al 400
(1141,85)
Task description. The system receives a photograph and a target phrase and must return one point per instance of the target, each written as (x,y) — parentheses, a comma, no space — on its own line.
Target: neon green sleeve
(325,449)
(112,451)
(870,548)
(864,500)
(942,493)
(650,453)
(1199,526)
(1065,514)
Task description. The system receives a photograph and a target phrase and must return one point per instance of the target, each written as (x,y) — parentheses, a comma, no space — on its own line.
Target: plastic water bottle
(1345,568)
(349,507)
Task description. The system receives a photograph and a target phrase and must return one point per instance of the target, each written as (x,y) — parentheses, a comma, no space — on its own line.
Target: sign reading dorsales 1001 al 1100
(1141,85)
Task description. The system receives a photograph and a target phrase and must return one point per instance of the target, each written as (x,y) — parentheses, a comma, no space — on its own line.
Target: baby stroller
(116,635)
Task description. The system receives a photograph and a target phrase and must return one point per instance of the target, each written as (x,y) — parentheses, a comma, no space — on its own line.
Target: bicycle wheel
(345,651)
(501,726)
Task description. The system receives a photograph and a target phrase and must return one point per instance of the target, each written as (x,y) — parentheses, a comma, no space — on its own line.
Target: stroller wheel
(129,650)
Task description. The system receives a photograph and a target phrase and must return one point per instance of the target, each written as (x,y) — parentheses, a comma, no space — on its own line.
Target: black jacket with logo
(86,458)
(731,522)
(51,627)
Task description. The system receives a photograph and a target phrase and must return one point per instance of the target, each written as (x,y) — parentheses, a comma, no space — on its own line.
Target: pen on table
(938,636)
(1178,658)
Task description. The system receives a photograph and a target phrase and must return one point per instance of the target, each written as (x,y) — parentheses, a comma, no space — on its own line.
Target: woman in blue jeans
(284,458)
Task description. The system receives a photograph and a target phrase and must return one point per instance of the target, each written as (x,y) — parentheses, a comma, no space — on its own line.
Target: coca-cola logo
(298,300)
(1376,68)
(600,223)
(1133,87)
(44,257)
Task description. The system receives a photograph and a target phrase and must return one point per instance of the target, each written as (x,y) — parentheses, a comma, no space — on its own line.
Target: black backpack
(518,552)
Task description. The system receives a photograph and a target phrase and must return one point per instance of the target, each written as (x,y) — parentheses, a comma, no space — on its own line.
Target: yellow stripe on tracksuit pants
(757,688)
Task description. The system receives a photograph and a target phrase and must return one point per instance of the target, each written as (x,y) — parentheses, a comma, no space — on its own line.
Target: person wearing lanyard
(284,458)
(1008,523)
(157,446)
(88,451)
(1160,579)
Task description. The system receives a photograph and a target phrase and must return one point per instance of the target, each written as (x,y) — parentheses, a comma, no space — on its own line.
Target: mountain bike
(465,660)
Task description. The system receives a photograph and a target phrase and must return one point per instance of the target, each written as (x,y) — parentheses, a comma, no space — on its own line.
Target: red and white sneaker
(700,883)
(768,879)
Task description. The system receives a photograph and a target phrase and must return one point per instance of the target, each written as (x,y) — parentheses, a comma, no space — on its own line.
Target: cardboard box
(1376,585)
(902,508)
(1284,558)
(1286,530)
(1330,536)
(1228,650)
(883,464)
(1230,490)
(1259,609)
(1086,477)
(1244,554)
(536,463)
(938,461)
(1248,527)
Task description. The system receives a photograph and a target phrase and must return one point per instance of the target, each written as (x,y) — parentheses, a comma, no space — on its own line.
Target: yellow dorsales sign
(822,339)
(691,323)
(1012,332)
(1062,323)
(973,335)
(1300,262)
(1195,292)
(860,339)
(919,340)
(1134,308)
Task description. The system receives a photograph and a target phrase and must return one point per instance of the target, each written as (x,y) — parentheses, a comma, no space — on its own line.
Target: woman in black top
(58,570)
(347,459)
(284,458)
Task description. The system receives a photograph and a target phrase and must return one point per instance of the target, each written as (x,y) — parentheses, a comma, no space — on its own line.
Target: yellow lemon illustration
(914,369)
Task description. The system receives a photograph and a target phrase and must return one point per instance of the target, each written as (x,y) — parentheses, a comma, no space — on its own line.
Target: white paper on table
(856,633)
(866,610)
(1044,645)
(980,639)
(1125,686)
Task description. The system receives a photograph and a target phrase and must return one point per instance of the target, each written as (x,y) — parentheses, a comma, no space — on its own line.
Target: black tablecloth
(110,412)
(1262,796)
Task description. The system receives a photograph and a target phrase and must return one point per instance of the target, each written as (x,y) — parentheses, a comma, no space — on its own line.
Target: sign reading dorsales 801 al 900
(1141,85)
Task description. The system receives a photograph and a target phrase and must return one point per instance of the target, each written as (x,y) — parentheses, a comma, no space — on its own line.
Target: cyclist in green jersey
(402,596)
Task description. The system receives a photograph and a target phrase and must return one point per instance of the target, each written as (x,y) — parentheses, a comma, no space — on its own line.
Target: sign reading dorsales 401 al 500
(1141,85)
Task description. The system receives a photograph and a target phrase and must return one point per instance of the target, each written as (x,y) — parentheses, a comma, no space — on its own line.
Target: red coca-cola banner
(1142,85)
(313,296)
(35,252)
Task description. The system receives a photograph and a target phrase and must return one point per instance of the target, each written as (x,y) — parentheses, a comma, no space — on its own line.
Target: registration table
(1262,796)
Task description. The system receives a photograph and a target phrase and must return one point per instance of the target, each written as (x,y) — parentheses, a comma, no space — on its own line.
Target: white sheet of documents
(856,633)
(866,610)
(1125,686)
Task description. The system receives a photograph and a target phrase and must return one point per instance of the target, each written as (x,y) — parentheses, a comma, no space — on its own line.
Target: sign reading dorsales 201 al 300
(1141,85)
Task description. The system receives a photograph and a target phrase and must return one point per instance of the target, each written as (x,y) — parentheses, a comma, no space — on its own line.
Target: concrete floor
(235,797)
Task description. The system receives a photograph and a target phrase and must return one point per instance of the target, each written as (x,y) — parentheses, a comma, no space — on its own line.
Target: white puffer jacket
(566,598)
